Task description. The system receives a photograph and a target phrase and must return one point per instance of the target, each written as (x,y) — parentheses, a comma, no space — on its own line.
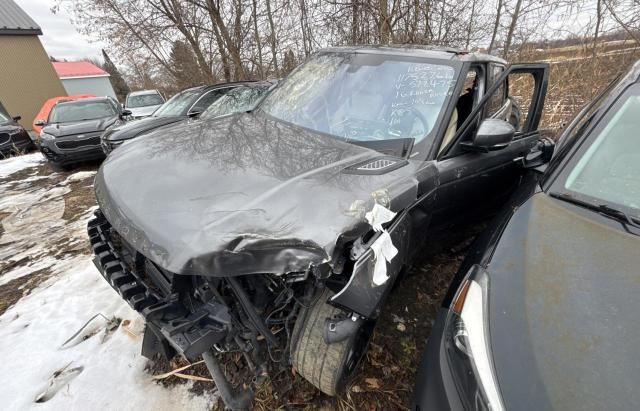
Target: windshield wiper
(624,217)
(604,209)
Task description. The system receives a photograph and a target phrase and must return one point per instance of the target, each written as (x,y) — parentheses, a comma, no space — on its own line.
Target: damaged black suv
(278,233)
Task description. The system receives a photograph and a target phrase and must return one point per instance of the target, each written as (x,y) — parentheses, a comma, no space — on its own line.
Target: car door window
(205,101)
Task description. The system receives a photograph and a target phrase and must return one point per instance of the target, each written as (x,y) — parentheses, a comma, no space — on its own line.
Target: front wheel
(327,366)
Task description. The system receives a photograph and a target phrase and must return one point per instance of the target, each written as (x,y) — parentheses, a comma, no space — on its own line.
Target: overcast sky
(60,38)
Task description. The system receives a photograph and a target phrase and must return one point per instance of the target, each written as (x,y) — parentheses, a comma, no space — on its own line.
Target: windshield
(606,170)
(240,99)
(178,104)
(144,100)
(81,110)
(364,97)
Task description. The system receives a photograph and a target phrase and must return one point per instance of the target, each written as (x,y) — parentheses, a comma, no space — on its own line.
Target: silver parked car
(143,103)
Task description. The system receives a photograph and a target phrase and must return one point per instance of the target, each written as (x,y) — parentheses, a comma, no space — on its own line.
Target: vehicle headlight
(46,136)
(467,344)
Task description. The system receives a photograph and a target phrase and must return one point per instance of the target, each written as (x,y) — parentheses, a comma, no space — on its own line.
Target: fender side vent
(378,165)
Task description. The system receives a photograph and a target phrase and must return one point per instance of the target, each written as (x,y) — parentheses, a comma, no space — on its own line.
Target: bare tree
(496,26)
(512,26)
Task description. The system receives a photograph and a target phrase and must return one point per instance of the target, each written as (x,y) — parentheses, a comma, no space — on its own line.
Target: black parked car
(13,137)
(72,132)
(543,314)
(279,232)
(189,103)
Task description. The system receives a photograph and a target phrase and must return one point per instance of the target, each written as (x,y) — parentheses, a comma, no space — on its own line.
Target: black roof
(249,83)
(421,50)
(14,21)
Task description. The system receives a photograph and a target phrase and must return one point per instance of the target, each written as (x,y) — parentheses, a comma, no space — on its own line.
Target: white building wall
(100,86)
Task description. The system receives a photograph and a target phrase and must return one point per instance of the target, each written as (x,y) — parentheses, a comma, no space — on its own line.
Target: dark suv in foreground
(278,233)
(72,132)
(544,312)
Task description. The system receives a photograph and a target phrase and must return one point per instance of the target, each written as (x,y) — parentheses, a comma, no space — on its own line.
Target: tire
(329,367)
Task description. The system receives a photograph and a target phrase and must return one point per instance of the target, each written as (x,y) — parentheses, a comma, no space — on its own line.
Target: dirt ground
(386,377)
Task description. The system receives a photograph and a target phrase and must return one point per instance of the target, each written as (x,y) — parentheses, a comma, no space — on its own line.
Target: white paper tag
(384,251)
(378,216)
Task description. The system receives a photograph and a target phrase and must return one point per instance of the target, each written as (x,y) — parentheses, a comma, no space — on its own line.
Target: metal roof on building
(75,69)
(14,20)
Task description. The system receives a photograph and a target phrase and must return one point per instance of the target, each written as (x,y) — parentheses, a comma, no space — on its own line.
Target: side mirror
(540,154)
(194,113)
(40,123)
(125,113)
(17,118)
(493,134)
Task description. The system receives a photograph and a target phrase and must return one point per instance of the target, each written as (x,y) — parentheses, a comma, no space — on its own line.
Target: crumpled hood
(133,129)
(564,286)
(143,111)
(242,194)
(79,127)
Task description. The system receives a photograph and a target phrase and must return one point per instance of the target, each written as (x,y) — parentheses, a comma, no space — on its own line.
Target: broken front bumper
(174,327)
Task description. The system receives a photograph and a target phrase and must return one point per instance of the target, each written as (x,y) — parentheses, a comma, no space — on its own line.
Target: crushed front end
(191,315)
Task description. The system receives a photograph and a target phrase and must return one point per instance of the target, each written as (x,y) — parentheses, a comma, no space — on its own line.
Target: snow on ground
(12,164)
(104,371)
(40,238)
